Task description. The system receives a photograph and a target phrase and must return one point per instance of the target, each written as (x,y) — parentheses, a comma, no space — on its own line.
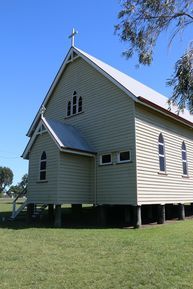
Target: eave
(164,111)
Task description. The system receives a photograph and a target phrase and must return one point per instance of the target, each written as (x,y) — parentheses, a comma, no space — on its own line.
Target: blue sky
(34,41)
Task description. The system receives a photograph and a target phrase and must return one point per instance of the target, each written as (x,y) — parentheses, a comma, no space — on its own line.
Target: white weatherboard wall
(43,192)
(106,123)
(152,187)
(76,179)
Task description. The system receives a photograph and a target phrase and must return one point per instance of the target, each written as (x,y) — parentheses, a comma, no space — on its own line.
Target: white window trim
(162,155)
(105,164)
(184,161)
(125,161)
(45,170)
(70,108)
(74,105)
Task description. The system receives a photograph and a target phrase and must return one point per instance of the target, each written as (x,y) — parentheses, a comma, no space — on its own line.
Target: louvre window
(43,165)
(161,151)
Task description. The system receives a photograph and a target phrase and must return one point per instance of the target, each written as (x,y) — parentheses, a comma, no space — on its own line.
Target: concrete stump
(101,213)
(127,215)
(161,214)
(137,217)
(51,212)
(181,211)
(58,216)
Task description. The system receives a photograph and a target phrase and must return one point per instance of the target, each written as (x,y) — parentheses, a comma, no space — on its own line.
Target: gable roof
(130,86)
(66,137)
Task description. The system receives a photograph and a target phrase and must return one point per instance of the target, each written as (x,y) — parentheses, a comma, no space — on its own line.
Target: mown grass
(47,258)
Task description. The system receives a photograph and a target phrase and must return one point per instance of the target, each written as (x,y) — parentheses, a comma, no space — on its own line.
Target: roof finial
(74,32)
(43,109)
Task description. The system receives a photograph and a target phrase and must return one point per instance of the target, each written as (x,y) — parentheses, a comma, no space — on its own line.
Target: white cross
(74,32)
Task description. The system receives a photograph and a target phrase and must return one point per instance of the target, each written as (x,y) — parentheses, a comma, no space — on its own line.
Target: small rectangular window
(124,157)
(106,159)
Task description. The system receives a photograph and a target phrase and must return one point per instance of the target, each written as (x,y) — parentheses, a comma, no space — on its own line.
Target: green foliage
(141,23)
(182,82)
(6,178)
(19,188)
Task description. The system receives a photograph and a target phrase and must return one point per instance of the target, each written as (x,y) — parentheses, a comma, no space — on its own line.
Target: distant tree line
(6,180)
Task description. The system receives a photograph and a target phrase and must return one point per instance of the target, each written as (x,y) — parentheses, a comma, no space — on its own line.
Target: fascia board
(58,75)
(89,61)
(31,141)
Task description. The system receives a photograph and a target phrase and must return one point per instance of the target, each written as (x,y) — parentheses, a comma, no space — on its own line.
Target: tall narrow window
(69,109)
(74,104)
(161,150)
(43,164)
(80,104)
(184,160)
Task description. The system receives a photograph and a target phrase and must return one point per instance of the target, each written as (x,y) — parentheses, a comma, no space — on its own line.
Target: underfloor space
(111,216)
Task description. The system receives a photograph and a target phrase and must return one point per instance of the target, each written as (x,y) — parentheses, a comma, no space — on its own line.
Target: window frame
(184,161)
(80,104)
(69,108)
(74,107)
(119,161)
(161,156)
(74,104)
(108,163)
(43,160)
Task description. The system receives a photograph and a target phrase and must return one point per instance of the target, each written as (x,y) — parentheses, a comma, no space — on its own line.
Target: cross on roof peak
(72,36)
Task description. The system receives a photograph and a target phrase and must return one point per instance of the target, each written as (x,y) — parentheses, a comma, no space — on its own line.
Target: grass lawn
(40,257)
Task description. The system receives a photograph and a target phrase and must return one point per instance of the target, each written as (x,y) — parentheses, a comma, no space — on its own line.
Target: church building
(103,138)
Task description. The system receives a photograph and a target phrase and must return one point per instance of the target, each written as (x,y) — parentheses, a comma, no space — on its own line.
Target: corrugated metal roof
(135,87)
(68,136)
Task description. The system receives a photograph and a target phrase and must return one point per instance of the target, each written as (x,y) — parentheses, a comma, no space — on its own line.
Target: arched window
(80,104)
(74,103)
(184,159)
(69,109)
(161,150)
(43,163)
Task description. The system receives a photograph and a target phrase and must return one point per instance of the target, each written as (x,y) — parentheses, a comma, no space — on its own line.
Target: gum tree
(140,25)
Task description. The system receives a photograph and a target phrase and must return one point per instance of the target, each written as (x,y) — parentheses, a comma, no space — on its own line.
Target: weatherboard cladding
(130,86)
(153,187)
(43,192)
(76,179)
(110,122)
(107,123)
